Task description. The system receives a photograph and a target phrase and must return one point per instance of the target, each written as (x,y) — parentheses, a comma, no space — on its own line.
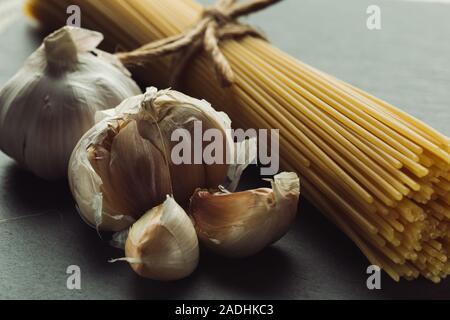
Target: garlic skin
(162,244)
(122,167)
(244,223)
(51,102)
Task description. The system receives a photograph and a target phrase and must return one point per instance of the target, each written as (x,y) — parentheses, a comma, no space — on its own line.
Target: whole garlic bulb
(243,223)
(162,244)
(122,167)
(51,102)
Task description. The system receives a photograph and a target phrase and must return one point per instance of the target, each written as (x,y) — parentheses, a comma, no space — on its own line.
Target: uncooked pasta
(382,176)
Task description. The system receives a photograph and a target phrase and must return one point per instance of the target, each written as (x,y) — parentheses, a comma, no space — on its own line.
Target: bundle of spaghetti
(382,176)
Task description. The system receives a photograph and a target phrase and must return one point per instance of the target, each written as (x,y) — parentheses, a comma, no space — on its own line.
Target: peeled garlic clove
(123,166)
(243,223)
(51,102)
(162,244)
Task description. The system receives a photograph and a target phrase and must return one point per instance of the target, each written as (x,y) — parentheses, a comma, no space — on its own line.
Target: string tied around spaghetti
(217,23)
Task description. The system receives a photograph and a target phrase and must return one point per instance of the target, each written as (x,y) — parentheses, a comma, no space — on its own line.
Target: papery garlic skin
(122,167)
(162,244)
(244,223)
(51,102)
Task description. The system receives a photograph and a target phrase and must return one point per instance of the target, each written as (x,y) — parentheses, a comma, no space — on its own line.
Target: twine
(218,22)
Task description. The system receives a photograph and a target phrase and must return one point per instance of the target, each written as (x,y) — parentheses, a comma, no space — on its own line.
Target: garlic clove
(51,102)
(162,244)
(243,223)
(174,110)
(128,184)
(286,189)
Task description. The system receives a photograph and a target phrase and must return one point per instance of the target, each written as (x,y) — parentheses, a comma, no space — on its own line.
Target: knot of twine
(217,23)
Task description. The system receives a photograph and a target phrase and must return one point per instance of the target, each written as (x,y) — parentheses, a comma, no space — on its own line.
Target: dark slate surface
(407,63)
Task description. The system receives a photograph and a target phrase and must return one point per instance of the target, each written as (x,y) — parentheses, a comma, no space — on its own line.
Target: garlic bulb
(162,244)
(123,166)
(243,223)
(51,102)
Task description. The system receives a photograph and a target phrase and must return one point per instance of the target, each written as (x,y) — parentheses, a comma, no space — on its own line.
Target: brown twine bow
(218,22)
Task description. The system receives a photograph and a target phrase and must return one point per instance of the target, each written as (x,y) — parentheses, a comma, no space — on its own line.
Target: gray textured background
(406,63)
